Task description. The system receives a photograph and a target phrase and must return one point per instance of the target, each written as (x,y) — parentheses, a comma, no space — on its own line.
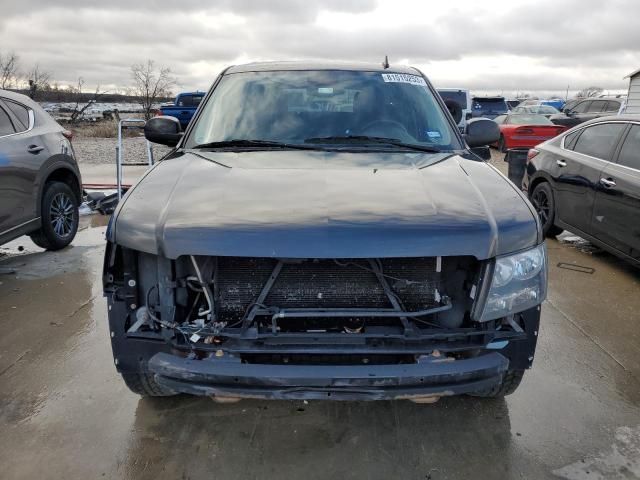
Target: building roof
(633,74)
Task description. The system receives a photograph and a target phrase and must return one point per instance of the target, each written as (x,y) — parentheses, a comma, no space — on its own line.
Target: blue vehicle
(184,107)
(554,102)
(489,107)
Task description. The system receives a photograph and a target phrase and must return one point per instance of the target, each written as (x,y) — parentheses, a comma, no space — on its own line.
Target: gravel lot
(91,150)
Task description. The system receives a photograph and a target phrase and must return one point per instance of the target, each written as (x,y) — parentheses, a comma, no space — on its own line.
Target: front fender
(534,175)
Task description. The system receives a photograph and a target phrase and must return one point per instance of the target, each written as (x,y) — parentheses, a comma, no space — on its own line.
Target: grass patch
(103,129)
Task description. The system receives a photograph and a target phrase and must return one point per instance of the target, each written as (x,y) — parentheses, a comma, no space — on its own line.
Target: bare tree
(589,92)
(150,84)
(82,102)
(38,80)
(8,69)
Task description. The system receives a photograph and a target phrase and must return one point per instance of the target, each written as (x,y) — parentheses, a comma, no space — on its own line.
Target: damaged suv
(324,232)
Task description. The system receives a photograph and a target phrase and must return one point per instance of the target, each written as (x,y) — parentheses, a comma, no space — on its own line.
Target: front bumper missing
(228,377)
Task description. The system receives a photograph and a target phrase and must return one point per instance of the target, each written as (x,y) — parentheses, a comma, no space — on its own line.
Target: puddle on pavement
(15,254)
(59,382)
(622,460)
(578,243)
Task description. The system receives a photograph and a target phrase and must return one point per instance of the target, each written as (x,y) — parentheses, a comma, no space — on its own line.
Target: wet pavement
(65,413)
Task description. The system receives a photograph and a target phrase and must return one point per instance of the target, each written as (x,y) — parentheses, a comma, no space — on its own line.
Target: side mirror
(481,132)
(483,152)
(164,130)
(567,112)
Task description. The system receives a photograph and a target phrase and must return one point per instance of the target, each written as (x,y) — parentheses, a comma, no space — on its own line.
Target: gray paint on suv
(40,187)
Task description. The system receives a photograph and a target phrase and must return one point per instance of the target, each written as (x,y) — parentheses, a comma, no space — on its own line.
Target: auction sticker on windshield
(404,78)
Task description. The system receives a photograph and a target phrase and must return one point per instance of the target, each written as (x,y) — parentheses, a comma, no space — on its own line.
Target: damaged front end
(343,329)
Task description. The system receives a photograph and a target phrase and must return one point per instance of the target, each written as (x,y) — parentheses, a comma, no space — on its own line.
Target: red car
(525,130)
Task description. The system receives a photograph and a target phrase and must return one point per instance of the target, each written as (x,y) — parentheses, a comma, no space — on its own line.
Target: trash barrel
(517,160)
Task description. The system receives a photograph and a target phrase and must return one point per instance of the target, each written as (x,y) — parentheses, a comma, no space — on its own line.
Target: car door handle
(34,148)
(561,163)
(607,182)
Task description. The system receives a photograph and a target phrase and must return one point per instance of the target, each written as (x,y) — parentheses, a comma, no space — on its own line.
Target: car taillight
(524,131)
(531,154)
(68,134)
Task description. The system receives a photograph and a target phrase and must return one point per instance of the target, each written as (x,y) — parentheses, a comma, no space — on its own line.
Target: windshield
(527,119)
(323,107)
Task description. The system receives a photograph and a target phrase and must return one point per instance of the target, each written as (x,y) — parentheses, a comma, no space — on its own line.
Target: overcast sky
(490,45)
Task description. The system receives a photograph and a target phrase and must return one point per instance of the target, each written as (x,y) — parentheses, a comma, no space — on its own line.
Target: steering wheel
(393,123)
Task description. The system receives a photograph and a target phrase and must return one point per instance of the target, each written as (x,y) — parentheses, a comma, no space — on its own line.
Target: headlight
(519,282)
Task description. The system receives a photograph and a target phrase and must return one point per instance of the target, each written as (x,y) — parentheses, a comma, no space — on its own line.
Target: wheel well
(535,183)
(68,177)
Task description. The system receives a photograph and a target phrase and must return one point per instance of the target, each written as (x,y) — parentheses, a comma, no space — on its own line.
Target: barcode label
(404,78)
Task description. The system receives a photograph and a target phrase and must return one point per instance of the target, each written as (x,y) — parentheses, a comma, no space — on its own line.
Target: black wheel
(60,216)
(542,200)
(501,144)
(510,382)
(145,385)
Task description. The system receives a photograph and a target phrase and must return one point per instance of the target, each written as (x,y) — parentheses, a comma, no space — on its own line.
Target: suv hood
(311,204)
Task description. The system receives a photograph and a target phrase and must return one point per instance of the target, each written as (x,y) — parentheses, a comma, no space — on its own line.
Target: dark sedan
(588,181)
(40,187)
(585,110)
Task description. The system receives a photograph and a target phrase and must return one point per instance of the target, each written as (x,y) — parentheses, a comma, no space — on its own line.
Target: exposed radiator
(324,284)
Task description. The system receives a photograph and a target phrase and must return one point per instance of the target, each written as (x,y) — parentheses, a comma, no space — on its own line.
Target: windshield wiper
(378,140)
(246,143)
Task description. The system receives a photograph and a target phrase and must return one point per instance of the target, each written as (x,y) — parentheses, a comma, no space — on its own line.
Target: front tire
(509,384)
(145,385)
(60,217)
(544,203)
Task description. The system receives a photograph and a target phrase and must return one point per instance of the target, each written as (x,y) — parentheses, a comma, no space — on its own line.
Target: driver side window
(6,126)
(581,107)
(597,106)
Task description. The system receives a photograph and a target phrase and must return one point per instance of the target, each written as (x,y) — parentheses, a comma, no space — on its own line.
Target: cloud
(533,45)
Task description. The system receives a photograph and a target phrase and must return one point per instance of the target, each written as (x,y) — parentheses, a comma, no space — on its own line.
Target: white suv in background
(458,101)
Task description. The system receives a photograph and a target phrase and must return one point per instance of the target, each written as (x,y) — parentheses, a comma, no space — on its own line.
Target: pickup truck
(183,107)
